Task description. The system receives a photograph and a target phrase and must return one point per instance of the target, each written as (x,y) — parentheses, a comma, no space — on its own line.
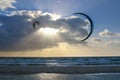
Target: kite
(35,24)
(91,25)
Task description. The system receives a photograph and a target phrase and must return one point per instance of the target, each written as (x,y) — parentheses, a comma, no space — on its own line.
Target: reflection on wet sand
(51,76)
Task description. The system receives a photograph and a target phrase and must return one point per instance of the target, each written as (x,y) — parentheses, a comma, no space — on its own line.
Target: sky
(58,32)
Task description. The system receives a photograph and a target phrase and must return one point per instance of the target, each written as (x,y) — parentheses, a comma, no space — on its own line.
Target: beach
(81,68)
(52,76)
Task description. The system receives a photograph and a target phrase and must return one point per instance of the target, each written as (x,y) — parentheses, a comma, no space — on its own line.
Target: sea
(64,61)
(59,61)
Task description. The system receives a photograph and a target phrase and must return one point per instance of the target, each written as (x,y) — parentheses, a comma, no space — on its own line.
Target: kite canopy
(91,25)
(35,24)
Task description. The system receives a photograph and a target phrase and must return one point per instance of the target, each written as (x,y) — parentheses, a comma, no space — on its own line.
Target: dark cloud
(18,34)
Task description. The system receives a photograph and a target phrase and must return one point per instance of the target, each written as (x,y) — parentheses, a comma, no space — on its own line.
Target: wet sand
(51,76)
(83,69)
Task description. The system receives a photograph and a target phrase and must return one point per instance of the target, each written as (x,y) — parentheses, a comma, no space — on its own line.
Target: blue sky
(104,13)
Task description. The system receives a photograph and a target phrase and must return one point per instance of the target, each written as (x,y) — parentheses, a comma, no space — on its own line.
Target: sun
(49,31)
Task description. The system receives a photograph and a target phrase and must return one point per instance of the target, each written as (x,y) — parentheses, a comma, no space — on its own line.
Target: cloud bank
(106,39)
(18,34)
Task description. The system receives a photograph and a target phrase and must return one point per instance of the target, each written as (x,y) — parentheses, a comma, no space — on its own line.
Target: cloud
(107,33)
(5,4)
(112,42)
(97,40)
(18,34)
(104,43)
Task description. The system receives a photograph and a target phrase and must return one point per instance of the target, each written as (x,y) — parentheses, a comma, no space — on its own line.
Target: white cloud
(111,42)
(5,4)
(96,40)
(104,43)
(20,34)
(107,33)
(32,14)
